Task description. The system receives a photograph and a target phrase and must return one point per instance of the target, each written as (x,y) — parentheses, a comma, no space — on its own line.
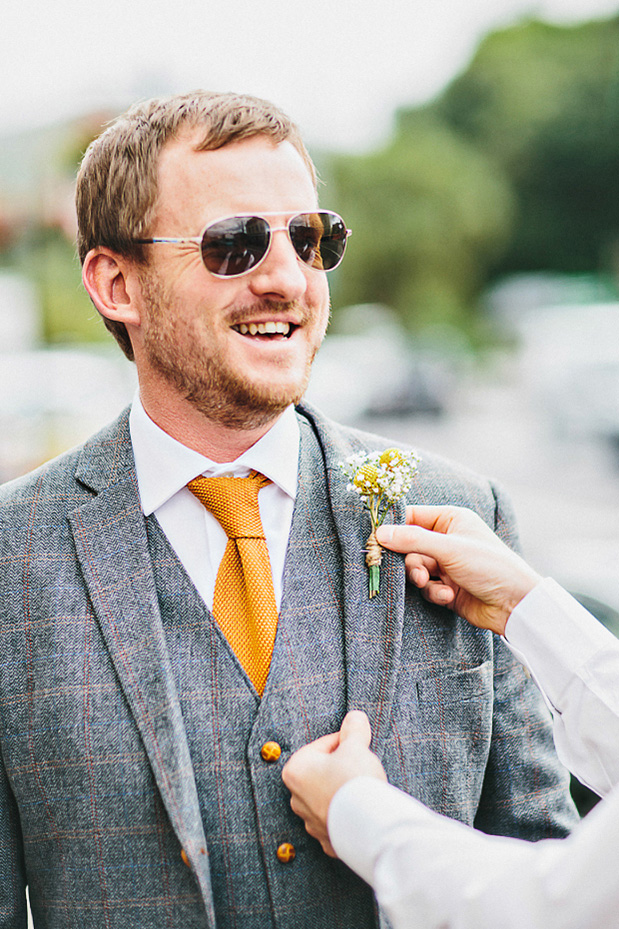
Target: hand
(315,772)
(458,562)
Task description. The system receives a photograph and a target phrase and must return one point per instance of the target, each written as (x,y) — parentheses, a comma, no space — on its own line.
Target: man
(431,872)
(146,715)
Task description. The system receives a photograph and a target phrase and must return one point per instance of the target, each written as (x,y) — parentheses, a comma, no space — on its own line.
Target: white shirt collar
(164,466)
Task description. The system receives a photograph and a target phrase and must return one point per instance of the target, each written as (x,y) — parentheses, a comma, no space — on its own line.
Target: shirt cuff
(554,635)
(362,812)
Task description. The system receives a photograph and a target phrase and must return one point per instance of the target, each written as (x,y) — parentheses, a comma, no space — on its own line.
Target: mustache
(268,307)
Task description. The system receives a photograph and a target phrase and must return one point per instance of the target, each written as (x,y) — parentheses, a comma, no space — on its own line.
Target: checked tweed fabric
(244,602)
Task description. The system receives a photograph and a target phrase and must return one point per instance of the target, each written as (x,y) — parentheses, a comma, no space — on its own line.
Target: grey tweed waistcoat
(243,803)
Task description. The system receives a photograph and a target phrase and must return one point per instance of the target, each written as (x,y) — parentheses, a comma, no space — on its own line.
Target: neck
(187,425)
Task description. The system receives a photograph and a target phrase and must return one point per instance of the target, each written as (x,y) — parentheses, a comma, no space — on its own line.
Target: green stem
(373,580)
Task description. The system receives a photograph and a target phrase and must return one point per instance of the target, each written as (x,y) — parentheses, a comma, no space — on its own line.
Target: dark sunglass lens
(319,239)
(234,246)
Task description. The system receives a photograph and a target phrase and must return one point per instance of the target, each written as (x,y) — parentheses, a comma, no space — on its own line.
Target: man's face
(190,335)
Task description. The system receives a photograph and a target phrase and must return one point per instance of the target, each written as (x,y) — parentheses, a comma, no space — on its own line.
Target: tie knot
(233,501)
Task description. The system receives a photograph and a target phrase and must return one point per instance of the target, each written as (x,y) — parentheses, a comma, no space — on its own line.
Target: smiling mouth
(271,329)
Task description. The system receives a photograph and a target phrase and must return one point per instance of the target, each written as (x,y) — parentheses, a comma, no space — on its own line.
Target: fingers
(326,844)
(326,743)
(442,518)
(424,549)
(429,517)
(420,568)
(356,726)
(409,539)
(439,532)
(439,593)
(419,575)
(426,517)
(308,758)
(425,573)
(313,825)
(314,773)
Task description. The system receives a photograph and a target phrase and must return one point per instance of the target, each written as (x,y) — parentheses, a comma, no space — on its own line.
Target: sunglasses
(237,245)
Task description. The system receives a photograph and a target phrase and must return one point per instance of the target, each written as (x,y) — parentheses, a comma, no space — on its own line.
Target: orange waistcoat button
(286,852)
(271,751)
(185,858)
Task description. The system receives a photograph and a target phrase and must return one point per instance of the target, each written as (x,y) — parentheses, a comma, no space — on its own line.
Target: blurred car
(372,367)
(570,363)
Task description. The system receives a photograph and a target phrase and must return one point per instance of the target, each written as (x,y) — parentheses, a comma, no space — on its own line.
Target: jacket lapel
(373,628)
(112,550)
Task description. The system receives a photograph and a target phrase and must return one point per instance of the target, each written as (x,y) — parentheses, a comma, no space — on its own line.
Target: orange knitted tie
(244,602)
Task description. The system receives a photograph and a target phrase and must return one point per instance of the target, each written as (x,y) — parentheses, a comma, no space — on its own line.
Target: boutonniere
(380,478)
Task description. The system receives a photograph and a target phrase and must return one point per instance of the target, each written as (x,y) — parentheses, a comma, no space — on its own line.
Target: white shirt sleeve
(430,872)
(574,660)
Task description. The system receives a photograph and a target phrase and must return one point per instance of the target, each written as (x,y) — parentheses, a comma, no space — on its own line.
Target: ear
(113,286)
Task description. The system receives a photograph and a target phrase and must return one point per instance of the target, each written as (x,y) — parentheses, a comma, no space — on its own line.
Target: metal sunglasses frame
(197,240)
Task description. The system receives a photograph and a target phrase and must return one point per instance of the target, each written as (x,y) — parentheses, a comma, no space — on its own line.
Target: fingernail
(384,534)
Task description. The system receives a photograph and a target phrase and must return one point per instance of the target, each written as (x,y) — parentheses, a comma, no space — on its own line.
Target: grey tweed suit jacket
(88,701)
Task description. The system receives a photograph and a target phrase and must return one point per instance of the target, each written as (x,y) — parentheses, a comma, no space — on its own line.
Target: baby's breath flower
(379,478)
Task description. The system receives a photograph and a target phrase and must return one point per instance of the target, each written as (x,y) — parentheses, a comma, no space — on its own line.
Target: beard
(203,375)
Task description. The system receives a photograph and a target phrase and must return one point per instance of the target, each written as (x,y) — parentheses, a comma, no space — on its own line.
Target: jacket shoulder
(340,441)
(438,481)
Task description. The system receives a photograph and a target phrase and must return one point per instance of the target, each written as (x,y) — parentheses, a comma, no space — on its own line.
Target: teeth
(282,328)
(270,328)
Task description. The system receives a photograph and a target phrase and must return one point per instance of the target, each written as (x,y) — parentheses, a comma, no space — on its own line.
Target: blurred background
(472,147)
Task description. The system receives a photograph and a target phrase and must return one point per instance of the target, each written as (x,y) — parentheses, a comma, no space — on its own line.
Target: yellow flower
(391,458)
(365,478)
(379,479)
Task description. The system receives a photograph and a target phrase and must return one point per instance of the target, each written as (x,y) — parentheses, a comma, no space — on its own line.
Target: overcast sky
(339,67)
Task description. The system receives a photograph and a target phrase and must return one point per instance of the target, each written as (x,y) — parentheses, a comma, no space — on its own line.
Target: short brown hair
(117,182)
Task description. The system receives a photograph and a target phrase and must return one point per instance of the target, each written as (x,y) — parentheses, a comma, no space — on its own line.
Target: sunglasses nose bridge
(273,240)
(272,231)
(280,272)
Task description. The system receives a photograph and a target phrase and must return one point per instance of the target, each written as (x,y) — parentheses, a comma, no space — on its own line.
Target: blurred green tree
(429,213)
(41,246)
(543,101)
(512,168)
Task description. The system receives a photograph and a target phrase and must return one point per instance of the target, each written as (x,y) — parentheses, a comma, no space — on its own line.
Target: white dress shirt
(574,660)
(164,467)
(430,872)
